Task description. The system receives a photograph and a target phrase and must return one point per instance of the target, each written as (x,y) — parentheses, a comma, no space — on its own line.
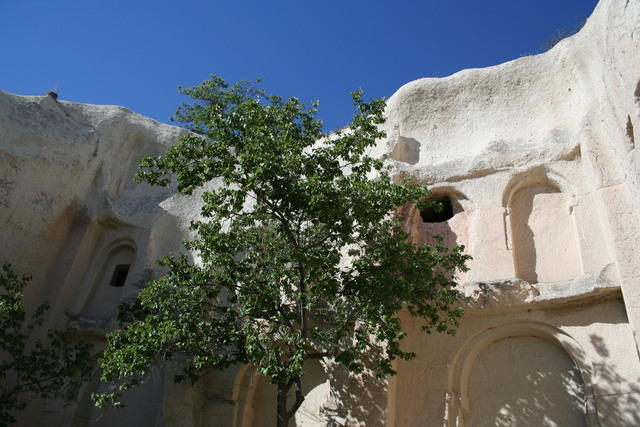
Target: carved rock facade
(537,159)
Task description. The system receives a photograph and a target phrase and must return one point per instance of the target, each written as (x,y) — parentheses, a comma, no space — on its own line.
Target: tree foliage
(50,367)
(300,255)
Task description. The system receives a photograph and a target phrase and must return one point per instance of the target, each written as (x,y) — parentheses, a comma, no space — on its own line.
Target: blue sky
(135,53)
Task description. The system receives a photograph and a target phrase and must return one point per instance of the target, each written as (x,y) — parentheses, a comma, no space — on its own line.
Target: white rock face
(538,159)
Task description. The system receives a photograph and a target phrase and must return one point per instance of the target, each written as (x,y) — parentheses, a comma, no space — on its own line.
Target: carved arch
(454,230)
(457,399)
(100,272)
(540,226)
(254,396)
(540,175)
(244,390)
(459,200)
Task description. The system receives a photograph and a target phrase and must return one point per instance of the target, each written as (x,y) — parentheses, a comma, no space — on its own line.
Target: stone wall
(537,157)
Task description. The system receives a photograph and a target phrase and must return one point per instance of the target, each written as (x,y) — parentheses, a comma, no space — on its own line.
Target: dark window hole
(119,275)
(434,214)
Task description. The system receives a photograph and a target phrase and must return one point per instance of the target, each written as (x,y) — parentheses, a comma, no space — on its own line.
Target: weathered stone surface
(538,158)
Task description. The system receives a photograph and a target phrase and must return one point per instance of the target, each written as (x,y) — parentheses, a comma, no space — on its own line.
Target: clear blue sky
(136,53)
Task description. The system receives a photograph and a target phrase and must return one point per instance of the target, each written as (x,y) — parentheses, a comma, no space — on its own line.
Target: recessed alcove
(544,238)
(447,225)
(527,381)
(258,396)
(540,227)
(440,211)
(111,278)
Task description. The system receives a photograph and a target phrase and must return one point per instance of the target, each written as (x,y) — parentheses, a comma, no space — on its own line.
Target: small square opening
(119,276)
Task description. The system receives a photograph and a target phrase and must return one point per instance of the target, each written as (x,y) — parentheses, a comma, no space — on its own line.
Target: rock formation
(537,159)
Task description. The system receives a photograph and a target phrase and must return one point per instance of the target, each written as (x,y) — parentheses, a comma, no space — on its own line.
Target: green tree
(300,254)
(51,367)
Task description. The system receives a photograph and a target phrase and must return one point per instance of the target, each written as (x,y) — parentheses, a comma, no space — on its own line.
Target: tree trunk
(282,416)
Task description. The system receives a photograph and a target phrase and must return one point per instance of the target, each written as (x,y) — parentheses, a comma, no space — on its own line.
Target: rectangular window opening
(119,275)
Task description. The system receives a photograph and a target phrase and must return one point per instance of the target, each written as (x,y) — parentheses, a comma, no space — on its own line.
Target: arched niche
(540,227)
(255,399)
(525,381)
(450,223)
(521,374)
(111,276)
